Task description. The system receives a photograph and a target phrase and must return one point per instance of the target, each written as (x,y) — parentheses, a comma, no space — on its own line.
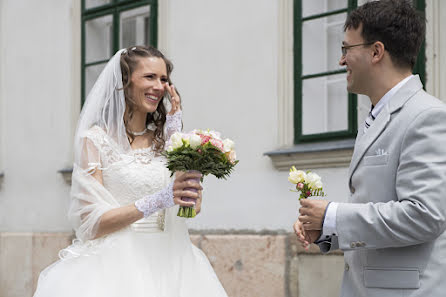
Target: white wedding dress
(153,257)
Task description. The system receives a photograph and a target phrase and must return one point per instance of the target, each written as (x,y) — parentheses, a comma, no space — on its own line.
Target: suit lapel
(361,146)
(364,141)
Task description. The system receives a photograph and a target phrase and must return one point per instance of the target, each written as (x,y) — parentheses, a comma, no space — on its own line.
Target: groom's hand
(305,237)
(312,213)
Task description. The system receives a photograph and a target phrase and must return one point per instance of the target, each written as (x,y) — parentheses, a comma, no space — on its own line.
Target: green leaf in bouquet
(206,158)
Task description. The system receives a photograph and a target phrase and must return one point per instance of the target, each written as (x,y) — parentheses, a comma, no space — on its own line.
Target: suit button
(353,245)
(346,267)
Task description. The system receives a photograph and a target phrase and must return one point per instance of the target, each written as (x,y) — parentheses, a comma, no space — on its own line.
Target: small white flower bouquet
(307,183)
(203,151)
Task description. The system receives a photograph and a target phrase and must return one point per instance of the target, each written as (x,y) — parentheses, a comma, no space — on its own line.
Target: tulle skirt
(132,264)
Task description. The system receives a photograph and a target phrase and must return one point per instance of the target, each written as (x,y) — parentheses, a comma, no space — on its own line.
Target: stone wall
(248,264)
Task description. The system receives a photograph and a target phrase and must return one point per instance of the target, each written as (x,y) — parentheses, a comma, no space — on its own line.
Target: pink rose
(204,138)
(217,143)
(300,186)
(308,193)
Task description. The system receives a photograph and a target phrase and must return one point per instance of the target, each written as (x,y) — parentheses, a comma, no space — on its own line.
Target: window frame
(420,64)
(114,9)
(352,113)
(299,78)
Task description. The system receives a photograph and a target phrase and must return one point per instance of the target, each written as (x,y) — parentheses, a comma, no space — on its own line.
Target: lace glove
(173,123)
(155,202)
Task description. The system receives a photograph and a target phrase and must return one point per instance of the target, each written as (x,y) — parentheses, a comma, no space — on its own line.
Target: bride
(124,202)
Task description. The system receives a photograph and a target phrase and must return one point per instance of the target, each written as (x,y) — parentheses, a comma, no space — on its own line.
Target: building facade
(264,73)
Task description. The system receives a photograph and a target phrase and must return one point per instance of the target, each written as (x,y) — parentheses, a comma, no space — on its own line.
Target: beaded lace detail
(173,123)
(135,174)
(145,155)
(128,176)
(153,203)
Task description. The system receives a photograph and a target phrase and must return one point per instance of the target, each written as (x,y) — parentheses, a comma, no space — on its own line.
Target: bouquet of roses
(203,151)
(307,183)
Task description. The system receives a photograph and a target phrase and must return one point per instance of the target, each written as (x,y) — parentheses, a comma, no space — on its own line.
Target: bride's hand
(182,181)
(174,99)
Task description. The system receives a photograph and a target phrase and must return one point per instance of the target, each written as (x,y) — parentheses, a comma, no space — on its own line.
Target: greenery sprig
(207,159)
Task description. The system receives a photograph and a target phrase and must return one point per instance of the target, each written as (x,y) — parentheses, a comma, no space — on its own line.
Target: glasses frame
(344,48)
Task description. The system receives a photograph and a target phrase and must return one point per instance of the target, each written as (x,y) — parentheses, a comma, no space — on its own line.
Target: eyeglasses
(344,48)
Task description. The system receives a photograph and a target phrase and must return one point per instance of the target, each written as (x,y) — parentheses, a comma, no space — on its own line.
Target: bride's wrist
(155,202)
(176,114)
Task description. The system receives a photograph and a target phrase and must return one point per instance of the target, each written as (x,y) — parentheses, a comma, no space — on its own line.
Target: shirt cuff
(329,225)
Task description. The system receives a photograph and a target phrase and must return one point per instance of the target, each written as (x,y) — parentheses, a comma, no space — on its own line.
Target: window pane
(321,44)
(95,3)
(135,28)
(98,39)
(91,75)
(324,104)
(337,103)
(311,7)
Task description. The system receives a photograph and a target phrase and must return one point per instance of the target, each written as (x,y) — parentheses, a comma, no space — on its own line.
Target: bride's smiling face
(148,83)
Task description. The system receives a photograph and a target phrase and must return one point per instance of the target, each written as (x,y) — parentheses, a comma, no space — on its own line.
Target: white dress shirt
(329,226)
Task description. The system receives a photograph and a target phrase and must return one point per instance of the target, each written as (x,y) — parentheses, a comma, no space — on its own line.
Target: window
(323,110)
(107,26)
(317,118)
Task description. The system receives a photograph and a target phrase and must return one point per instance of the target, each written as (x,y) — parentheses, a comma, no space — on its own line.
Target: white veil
(104,107)
(103,111)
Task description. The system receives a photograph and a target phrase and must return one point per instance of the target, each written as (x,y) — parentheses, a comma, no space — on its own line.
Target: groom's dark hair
(396,24)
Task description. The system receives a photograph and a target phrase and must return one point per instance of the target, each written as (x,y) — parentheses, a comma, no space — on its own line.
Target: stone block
(15,264)
(247,265)
(195,239)
(319,275)
(46,247)
(308,268)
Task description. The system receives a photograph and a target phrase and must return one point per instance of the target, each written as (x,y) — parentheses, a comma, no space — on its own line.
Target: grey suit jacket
(392,230)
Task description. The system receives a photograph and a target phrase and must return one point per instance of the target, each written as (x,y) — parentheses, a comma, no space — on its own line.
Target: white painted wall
(2,114)
(37,94)
(436,48)
(226,69)
(226,66)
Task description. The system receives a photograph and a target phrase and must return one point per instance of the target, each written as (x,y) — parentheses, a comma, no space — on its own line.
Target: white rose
(312,179)
(176,140)
(228,145)
(296,176)
(214,134)
(169,148)
(195,141)
(318,184)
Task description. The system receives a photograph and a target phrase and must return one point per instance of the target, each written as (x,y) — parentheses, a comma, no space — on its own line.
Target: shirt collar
(386,98)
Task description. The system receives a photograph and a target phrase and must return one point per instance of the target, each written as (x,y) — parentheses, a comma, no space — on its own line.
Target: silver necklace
(140,133)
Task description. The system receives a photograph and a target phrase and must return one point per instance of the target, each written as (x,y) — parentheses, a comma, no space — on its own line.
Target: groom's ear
(378,51)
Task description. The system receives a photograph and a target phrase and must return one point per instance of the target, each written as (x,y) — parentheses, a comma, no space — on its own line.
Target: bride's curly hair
(129,61)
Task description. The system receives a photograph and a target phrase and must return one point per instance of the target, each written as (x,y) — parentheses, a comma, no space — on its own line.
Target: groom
(392,230)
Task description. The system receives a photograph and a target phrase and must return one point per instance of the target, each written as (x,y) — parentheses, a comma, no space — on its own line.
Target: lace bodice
(128,176)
